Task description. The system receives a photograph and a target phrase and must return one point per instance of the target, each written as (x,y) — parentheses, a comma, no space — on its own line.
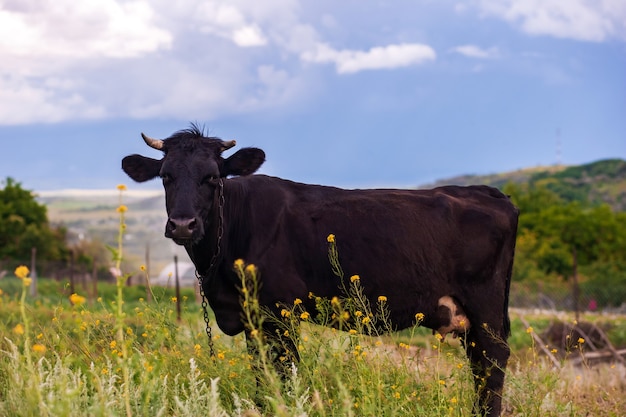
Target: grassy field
(121,355)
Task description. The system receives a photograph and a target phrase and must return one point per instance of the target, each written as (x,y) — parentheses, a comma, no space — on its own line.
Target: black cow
(445,252)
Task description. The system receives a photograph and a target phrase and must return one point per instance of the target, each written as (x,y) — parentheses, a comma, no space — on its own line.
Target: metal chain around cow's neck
(216,254)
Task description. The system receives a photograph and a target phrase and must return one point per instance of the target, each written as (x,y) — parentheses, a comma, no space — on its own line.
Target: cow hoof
(452,316)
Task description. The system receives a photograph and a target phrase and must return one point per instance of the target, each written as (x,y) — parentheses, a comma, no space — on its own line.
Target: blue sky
(351,93)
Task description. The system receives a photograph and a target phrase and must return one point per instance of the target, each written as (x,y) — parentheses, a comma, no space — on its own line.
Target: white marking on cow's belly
(459,323)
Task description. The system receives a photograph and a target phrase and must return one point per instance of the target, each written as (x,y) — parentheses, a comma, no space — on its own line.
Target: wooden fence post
(147,272)
(178,316)
(33,272)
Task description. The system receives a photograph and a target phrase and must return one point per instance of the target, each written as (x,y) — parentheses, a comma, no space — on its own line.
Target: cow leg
(488,353)
(279,351)
(282,349)
(273,353)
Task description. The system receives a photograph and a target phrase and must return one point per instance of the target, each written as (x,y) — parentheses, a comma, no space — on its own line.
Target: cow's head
(191,170)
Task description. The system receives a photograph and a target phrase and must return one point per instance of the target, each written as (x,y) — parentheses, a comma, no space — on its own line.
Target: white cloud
(473,51)
(80,30)
(72,60)
(23,102)
(46,47)
(227,21)
(249,36)
(385,57)
(584,20)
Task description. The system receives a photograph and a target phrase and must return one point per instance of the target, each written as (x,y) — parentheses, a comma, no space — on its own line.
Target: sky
(350,93)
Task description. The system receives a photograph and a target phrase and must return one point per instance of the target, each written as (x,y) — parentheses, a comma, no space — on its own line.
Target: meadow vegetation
(65,357)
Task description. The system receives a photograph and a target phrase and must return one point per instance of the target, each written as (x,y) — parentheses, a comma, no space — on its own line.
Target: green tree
(24,225)
(555,237)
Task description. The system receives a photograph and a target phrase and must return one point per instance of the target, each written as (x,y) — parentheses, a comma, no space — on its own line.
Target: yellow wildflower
(366,320)
(529,329)
(143,268)
(121,187)
(352,331)
(39,348)
(174,299)
(354,278)
(305,316)
(21,272)
(419,317)
(358,313)
(331,238)
(251,268)
(382,299)
(77,300)
(122,209)
(581,340)
(18,329)
(297,301)
(285,313)
(113,344)
(334,301)
(239,263)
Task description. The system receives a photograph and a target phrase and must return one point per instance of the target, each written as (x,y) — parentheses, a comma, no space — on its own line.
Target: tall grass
(125,356)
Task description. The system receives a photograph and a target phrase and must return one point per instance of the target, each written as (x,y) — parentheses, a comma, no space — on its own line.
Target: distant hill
(594,183)
(91,214)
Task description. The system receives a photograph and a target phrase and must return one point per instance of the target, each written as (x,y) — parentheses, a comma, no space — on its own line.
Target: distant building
(186,275)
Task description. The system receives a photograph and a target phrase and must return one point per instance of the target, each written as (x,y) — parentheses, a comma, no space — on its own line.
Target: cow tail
(506,322)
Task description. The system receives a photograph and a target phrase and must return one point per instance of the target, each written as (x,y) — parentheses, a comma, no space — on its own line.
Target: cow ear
(243,162)
(141,168)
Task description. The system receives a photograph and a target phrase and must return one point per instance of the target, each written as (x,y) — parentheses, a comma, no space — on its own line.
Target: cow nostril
(182,226)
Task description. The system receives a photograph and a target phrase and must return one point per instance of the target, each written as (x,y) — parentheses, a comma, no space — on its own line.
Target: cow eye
(166,177)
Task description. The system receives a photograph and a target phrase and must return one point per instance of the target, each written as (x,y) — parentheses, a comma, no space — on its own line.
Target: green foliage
(606,283)
(24,225)
(552,233)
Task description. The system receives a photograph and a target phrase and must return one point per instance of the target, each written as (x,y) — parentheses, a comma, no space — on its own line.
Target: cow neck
(211,244)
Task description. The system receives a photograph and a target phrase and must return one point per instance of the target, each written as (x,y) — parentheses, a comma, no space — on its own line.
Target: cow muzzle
(183,230)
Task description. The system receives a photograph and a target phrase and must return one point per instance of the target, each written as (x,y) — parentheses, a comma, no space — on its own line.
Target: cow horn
(228,144)
(153,143)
